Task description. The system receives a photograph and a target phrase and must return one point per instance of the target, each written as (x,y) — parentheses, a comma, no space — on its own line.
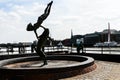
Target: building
(96,37)
(91,39)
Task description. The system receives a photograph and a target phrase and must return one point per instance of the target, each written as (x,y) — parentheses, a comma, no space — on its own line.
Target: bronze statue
(43,37)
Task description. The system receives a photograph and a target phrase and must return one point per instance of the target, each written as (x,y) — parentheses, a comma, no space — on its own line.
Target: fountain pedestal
(59,66)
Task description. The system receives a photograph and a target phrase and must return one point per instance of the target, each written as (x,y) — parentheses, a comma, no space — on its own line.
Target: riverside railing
(102,50)
(95,50)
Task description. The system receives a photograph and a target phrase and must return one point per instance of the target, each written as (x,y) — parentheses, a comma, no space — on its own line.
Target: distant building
(66,42)
(72,41)
(92,38)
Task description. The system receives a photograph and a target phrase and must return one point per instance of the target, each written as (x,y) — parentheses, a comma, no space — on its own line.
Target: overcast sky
(82,16)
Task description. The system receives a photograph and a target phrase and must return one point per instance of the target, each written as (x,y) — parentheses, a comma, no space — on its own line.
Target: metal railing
(95,50)
(103,50)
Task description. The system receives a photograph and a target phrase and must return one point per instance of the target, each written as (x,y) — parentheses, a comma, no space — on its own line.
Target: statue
(43,37)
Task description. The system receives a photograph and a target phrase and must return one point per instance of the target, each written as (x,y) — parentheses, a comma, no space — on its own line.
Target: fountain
(44,67)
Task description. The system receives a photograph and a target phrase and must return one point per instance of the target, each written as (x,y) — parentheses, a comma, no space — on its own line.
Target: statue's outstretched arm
(42,27)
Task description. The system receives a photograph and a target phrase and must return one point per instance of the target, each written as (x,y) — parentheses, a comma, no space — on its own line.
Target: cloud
(13,23)
(83,16)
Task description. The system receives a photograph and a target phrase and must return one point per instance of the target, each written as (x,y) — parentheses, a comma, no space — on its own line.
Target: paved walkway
(104,71)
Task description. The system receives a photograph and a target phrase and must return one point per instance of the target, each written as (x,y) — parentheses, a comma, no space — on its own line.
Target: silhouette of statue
(43,37)
(40,20)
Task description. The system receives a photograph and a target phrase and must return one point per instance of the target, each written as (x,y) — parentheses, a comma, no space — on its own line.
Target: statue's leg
(43,57)
(45,61)
(47,10)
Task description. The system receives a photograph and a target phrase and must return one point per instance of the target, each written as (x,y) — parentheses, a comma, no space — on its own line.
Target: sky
(80,16)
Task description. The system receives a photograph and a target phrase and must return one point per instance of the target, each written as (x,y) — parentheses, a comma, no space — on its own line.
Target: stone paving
(104,71)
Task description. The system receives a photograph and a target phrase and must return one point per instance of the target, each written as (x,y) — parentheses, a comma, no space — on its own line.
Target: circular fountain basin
(32,68)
